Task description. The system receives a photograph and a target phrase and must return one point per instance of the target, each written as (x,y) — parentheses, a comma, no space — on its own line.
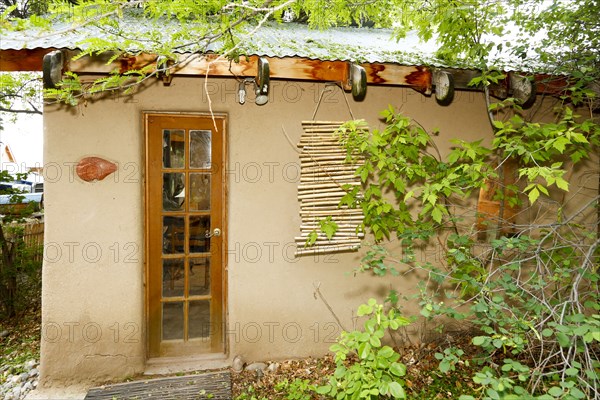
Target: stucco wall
(93,293)
(92,276)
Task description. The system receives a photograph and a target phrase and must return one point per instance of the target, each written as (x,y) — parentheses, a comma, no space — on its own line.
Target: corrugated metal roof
(346,44)
(274,40)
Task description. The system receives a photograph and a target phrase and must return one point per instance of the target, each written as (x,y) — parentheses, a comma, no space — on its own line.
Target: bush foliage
(528,285)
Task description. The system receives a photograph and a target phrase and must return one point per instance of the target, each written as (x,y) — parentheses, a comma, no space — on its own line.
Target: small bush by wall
(21,253)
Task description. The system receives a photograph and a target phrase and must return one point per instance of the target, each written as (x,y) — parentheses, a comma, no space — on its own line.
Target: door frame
(146,115)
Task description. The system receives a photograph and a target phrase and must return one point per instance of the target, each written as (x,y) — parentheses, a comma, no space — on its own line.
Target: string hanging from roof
(324,176)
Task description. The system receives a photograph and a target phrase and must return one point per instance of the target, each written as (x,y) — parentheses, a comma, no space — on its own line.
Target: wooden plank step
(211,385)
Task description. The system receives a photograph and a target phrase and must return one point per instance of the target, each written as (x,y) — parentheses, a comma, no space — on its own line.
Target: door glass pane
(200,192)
(172,323)
(173,235)
(173,191)
(200,149)
(199,277)
(173,277)
(199,230)
(173,151)
(199,322)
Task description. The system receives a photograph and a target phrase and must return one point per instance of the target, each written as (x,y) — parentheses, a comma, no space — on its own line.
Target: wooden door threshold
(210,385)
(174,365)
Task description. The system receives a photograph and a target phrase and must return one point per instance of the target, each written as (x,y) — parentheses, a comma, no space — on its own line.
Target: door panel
(185,233)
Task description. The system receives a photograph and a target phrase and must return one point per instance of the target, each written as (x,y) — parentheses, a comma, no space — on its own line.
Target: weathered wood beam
(552,84)
(22,60)
(294,68)
(544,83)
(290,68)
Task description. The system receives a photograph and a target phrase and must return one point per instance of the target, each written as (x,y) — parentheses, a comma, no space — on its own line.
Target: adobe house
(172,213)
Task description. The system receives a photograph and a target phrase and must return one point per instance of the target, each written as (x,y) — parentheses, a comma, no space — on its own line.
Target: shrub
(532,290)
(376,373)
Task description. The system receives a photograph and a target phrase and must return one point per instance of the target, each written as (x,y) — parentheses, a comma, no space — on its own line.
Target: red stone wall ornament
(94,168)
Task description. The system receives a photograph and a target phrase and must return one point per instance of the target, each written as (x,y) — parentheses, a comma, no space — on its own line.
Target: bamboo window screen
(324,173)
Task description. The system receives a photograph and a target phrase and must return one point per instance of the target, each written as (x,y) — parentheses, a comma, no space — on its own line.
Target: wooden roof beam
(296,68)
(290,68)
(22,60)
(293,68)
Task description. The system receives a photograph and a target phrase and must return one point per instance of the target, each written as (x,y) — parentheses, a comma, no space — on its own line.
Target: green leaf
(498,124)
(562,184)
(335,347)
(397,391)
(547,332)
(364,350)
(398,369)
(324,389)
(572,371)
(444,366)
(362,336)
(533,195)
(375,342)
(479,340)
(340,372)
(563,340)
(312,238)
(578,394)
(384,387)
(329,227)
(436,214)
(581,330)
(555,391)
(560,144)
(493,394)
(364,309)
(386,351)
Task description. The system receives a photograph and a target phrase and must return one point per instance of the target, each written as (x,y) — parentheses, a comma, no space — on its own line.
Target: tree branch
(20,111)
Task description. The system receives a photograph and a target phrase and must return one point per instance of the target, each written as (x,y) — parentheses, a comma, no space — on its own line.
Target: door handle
(215,232)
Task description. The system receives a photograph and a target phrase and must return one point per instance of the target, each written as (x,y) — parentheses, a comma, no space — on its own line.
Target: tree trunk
(8,276)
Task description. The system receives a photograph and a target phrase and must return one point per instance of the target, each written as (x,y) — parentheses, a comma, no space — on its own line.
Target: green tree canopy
(20,93)
(558,37)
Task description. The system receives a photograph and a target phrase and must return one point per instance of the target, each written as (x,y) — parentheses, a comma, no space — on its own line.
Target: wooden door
(185,233)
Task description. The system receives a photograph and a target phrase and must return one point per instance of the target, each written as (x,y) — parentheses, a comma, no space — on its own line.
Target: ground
(423,379)
(22,340)
(19,353)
